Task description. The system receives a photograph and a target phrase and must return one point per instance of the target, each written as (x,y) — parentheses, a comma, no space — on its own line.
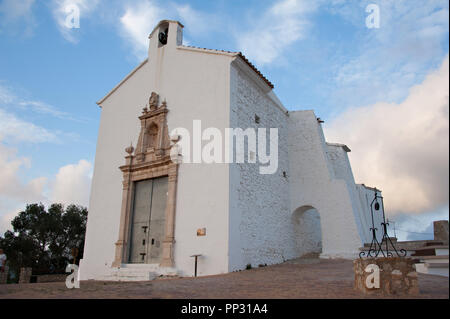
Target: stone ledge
(51,278)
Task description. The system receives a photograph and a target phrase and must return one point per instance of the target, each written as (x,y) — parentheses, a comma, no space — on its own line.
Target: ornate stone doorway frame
(151,160)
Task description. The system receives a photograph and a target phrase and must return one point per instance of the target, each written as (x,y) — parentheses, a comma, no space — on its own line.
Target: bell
(162,37)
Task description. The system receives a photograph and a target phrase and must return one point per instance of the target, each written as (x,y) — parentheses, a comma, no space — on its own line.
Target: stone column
(169,238)
(441,231)
(121,243)
(25,275)
(4,275)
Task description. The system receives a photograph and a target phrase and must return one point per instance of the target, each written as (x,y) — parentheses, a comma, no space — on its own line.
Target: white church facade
(148,214)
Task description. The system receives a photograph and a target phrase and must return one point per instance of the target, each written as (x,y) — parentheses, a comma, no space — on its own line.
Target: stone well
(397,276)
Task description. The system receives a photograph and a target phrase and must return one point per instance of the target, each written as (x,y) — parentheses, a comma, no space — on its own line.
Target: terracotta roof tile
(255,69)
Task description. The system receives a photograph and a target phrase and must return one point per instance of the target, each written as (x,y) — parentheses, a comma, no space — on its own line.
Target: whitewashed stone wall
(360,195)
(196,87)
(365,196)
(313,183)
(119,125)
(260,218)
(338,159)
(307,231)
(250,218)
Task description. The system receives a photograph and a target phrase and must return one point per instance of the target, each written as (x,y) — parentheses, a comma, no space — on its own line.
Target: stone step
(437,265)
(433,247)
(435,243)
(140,272)
(433,265)
(431,250)
(431,258)
(123,274)
(154,267)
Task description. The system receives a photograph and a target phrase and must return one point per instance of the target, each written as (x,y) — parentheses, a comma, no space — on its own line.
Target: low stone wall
(25,275)
(387,276)
(441,231)
(4,275)
(51,278)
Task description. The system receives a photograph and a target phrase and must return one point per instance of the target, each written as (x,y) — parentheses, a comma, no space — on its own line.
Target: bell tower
(166,34)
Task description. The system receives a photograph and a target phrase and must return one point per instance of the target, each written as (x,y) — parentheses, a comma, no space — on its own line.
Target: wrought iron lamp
(376,247)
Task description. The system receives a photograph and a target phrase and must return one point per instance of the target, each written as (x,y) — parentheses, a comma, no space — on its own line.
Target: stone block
(4,275)
(441,231)
(25,275)
(52,278)
(386,276)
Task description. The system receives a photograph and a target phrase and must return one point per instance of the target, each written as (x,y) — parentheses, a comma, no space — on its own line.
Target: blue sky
(319,54)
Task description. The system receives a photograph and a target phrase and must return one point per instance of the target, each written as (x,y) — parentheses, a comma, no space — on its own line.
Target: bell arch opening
(307,231)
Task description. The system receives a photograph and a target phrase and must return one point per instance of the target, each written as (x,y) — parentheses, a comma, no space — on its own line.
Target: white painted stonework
(310,204)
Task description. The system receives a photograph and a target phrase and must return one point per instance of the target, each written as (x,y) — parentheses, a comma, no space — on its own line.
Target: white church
(149,212)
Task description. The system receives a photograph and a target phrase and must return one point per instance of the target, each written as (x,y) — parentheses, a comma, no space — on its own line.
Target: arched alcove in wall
(307,230)
(152,136)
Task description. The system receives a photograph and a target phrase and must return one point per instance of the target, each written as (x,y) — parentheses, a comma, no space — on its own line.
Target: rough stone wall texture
(260,217)
(397,276)
(25,275)
(51,278)
(441,231)
(4,275)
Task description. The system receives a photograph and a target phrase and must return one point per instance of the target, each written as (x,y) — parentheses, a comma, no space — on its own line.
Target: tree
(43,239)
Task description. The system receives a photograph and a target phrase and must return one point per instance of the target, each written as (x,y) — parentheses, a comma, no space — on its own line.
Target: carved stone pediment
(153,142)
(153,101)
(151,159)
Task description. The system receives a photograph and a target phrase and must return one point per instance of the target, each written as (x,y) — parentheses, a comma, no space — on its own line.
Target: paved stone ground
(300,278)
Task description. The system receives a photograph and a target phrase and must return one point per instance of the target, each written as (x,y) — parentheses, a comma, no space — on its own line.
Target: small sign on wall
(201,232)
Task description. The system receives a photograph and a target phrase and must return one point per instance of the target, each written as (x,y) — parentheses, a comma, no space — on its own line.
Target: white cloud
(60,10)
(140,17)
(137,22)
(47,109)
(15,129)
(275,30)
(5,219)
(11,186)
(402,148)
(417,227)
(14,9)
(6,96)
(72,184)
(408,42)
(10,99)
(14,192)
(198,23)
(13,12)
